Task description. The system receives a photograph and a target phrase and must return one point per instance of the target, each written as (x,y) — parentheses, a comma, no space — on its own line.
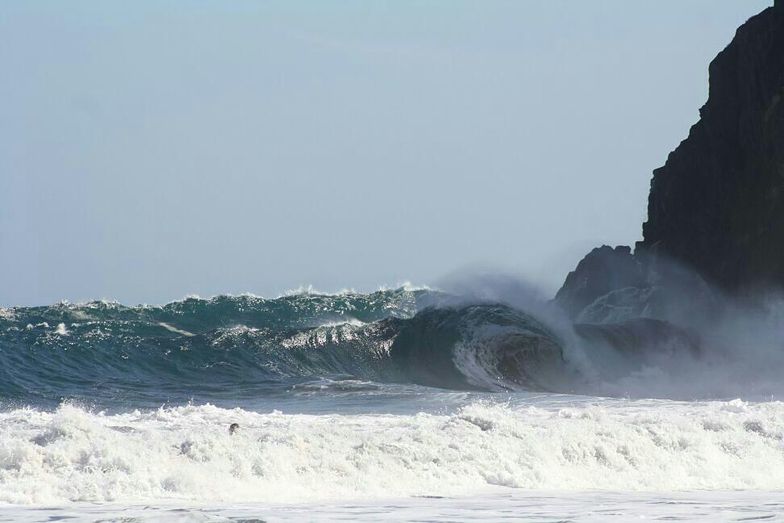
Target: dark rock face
(716,208)
(717,205)
(603,270)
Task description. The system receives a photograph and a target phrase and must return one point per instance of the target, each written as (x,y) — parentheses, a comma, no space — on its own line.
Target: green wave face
(243,347)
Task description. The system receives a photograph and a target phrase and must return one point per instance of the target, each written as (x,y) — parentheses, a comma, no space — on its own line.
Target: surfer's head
(233,428)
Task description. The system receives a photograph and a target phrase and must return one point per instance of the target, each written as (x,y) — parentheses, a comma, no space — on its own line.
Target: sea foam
(187,453)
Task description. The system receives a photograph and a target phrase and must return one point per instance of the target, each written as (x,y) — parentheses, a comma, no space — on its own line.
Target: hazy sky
(150,150)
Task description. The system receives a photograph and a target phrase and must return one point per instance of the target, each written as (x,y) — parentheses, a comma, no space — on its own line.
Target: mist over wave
(679,338)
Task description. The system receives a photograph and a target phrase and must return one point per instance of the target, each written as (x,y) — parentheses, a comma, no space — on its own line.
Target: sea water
(396,405)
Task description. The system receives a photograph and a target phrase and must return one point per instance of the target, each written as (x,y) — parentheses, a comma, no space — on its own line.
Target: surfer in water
(233,428)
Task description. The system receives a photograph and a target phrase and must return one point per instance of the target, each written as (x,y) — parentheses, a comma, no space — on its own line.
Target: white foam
(61,330)
(187,453)
(172,328)
(352,322)
(309,289)
(407,286)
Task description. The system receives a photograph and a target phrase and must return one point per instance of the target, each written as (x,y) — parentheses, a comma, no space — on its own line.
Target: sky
(151,150)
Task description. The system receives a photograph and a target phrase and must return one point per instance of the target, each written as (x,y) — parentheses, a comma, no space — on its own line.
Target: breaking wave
(246,346)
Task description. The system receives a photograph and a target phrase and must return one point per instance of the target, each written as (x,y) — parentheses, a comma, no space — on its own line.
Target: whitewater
(396,405)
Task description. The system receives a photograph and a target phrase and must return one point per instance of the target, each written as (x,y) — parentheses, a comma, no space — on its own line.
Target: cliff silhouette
(716,207)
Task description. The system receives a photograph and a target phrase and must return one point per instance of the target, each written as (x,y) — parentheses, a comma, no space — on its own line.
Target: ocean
(402,404)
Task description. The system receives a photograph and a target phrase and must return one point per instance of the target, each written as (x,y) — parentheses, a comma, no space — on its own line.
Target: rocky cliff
(717,205)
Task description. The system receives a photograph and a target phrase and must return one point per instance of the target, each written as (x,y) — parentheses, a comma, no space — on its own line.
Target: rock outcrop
(603,270)
(613,285)
(716,208)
